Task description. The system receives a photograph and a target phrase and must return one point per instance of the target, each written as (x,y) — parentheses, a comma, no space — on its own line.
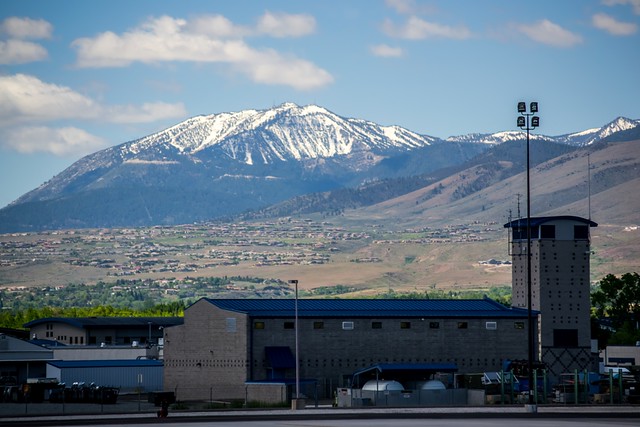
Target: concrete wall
(206,357)
(61,332)
(267,393)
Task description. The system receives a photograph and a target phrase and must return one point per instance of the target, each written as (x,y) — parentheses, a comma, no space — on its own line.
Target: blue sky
(79,76)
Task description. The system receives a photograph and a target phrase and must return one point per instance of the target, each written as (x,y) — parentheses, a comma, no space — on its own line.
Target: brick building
(223,344)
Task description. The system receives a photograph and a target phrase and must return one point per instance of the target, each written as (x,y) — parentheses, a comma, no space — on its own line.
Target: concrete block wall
(206,357)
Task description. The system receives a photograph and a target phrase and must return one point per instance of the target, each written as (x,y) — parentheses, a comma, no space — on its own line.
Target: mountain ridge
(219,165)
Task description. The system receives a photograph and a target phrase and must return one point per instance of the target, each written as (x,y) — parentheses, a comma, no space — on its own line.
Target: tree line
(615,307)
(15,319)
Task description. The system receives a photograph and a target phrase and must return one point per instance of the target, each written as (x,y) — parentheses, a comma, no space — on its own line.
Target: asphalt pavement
(540,412)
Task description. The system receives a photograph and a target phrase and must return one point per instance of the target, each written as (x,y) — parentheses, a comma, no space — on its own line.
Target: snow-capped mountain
(287,132)
(221,164)
(579,139)
(498,137)
(590,136)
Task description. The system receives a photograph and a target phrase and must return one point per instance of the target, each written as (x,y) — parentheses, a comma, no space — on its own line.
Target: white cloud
(21,52)
(409,7)
(26,28)
(147,112)
(635,4)
(286,25)
(417,29)
(167,39)
(548,33)
(59,141)
(269,67)
(25,98)
(16,50)
(387,51)
(216,26)
(605,22)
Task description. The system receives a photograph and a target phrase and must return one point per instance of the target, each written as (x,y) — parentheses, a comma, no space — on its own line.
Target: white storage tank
(382,385)
(433,385)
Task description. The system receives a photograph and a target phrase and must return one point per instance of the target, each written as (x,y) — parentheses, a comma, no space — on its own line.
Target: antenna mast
(589,182)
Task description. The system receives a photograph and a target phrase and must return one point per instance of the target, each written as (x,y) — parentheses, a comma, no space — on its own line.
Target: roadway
(518,416)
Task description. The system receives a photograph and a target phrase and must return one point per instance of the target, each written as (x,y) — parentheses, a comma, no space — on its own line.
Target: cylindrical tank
(433,385)
(382,385)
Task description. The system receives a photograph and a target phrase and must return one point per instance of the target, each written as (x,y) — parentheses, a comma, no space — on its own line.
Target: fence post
(575,385)
(610,386)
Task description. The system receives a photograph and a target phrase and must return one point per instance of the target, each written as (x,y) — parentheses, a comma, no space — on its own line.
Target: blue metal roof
(369,308)
(137,363)
(537,221)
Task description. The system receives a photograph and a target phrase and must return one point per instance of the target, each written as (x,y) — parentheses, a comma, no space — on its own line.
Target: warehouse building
(226,345)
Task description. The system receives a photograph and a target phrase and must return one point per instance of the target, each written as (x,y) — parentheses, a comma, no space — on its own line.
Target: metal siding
(126,378)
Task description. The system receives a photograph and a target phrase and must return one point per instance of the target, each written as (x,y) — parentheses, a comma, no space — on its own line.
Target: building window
(258,325)
(231,324)
(548,231)
(492,326)
(289,325)
(434,325)
(92,340)
(463,325)
(318,325)
(518,325)
(347,326)
(376,325)
(581,232)
(565,337)
(405,325)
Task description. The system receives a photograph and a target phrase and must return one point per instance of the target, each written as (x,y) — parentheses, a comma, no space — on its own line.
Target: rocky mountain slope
(220,165)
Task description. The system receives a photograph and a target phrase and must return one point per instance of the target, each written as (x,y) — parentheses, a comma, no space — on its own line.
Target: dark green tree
(618,299)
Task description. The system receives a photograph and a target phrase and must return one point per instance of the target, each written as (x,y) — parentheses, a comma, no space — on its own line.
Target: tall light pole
(295,325)
(528,121)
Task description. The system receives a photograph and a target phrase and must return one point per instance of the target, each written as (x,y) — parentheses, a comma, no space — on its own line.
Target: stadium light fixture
(528,121)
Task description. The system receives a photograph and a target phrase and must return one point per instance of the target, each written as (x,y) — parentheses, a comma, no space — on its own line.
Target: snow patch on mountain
(282,133)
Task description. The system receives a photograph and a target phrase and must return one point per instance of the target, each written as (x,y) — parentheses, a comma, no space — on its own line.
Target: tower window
(548,231)
(581,232)
(565,337)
